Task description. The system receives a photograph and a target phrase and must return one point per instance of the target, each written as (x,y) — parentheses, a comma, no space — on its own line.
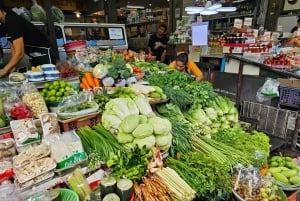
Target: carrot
(84,80)
(90,79)
(96,81)
(83,86)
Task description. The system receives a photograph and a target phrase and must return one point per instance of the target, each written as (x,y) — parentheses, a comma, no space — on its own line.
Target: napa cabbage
(161,126)
(147,142)
(110,120)
(129,123)
(143,130)
(124,138)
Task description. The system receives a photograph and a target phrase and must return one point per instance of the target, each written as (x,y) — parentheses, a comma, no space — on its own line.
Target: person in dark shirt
(141,32)
(295,28)
(158,43)
(24,38)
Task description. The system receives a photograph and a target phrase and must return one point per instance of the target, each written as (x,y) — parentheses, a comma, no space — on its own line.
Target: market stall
(131,129)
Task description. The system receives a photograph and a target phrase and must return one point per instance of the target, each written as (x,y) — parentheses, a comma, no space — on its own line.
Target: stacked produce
(134,123)
(284,171)
(54,91)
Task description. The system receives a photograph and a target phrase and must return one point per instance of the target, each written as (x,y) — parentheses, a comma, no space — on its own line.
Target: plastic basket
(289,96)
(67,195)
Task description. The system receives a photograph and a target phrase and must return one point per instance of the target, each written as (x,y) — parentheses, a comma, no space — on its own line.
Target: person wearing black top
(295,28)
(24,38)
(141,32)
(158,43)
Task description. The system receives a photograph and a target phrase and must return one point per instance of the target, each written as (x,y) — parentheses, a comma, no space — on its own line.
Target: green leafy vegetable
(161,126)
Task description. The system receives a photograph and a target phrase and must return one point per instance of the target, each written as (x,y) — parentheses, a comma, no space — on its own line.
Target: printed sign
(115,33)
(238,23)
(248,21)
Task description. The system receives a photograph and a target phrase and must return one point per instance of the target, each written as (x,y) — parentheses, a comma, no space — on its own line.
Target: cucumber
(111,197)
(108,185)
(124,189)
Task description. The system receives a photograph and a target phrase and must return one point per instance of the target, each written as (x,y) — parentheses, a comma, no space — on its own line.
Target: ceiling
(146,3)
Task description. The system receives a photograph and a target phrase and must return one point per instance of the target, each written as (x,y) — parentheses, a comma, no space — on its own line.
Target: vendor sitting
(183,64)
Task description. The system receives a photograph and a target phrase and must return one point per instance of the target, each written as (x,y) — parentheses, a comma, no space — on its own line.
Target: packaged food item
(78,183)
(33,99)
(34,169)
(66,149)
(31,154)
(24,131)
(50,124)
(7,149)
(34,181)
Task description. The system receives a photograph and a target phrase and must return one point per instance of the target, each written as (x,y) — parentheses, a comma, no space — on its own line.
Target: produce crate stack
(277,123)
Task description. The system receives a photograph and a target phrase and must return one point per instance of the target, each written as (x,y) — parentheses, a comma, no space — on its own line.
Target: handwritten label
(115,33)
(248,21)
(238,23)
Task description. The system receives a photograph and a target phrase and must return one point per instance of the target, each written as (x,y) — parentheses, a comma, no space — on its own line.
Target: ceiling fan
(210,8)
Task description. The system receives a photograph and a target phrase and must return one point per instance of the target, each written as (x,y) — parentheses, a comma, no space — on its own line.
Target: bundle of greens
(181,142)
(132,165)
(244,141)
(99,142)
(206,176)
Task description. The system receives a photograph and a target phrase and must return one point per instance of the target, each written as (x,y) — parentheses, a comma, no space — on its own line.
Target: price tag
(238,23)
(248,21)
(298,32)
(267,36)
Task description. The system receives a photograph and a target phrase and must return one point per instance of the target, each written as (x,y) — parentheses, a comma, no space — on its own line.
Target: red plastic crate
(289,96)
(76,123)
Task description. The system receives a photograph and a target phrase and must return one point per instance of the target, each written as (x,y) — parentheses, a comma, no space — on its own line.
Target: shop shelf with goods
(222,22)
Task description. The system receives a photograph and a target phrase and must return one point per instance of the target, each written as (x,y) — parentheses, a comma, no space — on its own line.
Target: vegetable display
(207,177)
(134,123)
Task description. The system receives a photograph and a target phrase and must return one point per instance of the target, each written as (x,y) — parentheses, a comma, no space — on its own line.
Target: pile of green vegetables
(207,177)
(134,123)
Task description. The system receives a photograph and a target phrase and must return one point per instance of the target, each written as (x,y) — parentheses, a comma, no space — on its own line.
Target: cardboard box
(289,82)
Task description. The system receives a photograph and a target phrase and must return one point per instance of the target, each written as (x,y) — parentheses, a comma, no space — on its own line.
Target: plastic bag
(37,12)
(77,105)
(268,90)
(33,100)
(57,14)
(23,12)
(66,149)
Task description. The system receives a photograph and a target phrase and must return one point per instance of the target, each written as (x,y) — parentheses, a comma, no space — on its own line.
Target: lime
(52,92)
(52,98)
(58,99)
(68,88)
(62,83)
(47,99)
(42,93)
(55,83)
(45,91)
(46,85)
(59,94)
(62,90)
